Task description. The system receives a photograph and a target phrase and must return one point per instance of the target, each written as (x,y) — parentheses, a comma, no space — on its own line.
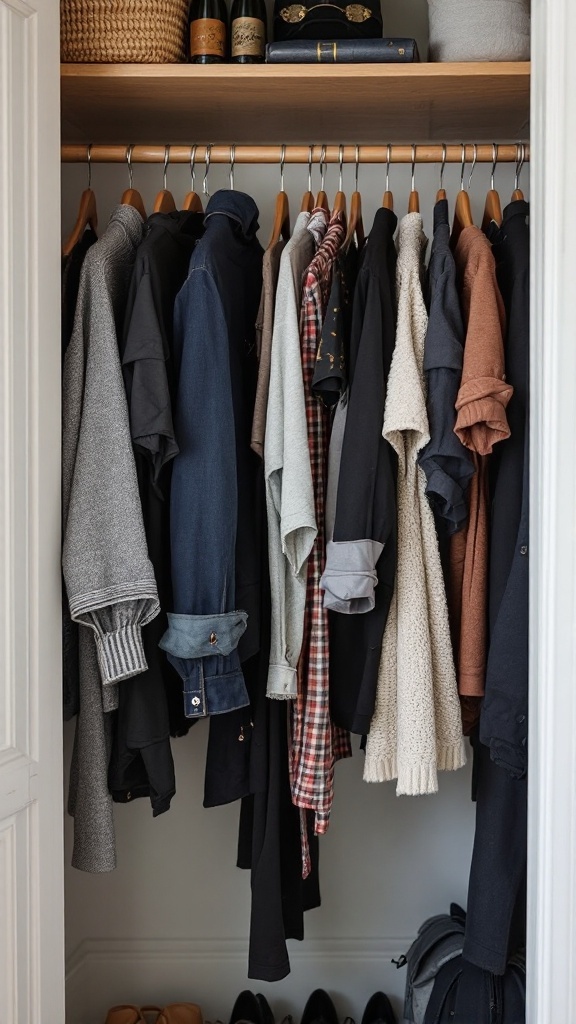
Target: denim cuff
(121,653)
(350,577)
(199,636)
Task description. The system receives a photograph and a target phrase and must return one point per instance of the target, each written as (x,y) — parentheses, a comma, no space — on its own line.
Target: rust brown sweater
(481,422)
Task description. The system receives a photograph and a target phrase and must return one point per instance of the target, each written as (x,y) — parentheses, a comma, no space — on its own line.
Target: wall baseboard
(105,972)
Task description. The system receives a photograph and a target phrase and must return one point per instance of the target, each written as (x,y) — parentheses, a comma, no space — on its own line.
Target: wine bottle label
(248,37)
(207,36)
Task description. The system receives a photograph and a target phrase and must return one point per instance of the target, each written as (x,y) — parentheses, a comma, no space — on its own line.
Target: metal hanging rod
(218,154)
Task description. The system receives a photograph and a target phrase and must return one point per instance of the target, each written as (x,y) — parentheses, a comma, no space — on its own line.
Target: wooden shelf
(159,103)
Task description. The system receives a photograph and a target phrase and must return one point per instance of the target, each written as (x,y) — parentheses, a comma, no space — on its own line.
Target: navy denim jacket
(214,320)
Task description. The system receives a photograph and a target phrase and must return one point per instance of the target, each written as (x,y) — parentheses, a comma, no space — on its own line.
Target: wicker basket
(123,31)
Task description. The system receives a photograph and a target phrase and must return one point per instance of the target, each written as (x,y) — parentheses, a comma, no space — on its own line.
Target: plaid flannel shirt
(316,743)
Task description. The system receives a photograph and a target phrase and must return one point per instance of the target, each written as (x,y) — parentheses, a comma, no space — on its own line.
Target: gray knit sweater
(109,578)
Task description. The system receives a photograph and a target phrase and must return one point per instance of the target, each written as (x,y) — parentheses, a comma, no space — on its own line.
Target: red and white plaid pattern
(316,743)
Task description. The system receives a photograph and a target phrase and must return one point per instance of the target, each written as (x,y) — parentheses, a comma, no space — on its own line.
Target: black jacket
(503,723)
(365,522)
(150,705)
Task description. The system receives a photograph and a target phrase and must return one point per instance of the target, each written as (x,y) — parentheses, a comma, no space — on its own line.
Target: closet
(172,920)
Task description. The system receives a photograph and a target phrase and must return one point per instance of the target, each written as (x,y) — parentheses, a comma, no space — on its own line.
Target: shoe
(319,1009)
(129,1014)
(180,1013)
(251,1009)
(126,1015)
(379,1010)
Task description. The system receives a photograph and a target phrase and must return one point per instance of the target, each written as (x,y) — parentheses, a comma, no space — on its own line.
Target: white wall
(171,922)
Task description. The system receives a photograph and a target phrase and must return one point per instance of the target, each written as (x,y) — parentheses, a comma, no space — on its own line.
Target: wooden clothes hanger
(441,193)
(281,225)
(355,223)
(340,197)
(87,213)
(131,197)
(492,208)
(308,199)
(462,209)
(322,198)
(388,198)
(164,202)
(192,201)
(414,198)
(520,158)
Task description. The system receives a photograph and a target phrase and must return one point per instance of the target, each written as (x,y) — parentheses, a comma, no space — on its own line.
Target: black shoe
(378,1010)
(319,1009)
(251,1008)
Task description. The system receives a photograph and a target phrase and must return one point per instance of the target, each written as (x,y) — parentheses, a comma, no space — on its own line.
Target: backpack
(440,940)
(465,994)
(442,988)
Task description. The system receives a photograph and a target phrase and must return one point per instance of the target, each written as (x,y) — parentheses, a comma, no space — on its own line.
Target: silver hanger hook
(206,169)
(388,158)
(282,162)
(341,163)
(310,155)
(232,162)
(413,166)
(322,167)
(520,158)
(474,159)
(462,165)
(494,162)
(89,159)
(166,162)
(443,164)
(356,167)
(129,162)
(192,165)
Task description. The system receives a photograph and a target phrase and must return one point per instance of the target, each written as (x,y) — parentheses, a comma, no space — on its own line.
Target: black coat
(503,723)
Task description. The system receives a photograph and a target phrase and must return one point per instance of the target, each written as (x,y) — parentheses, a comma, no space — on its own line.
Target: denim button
(524,549)
(213,638)
(195,701)
(520,719)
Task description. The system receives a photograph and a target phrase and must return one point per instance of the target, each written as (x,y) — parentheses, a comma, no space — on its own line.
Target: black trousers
(496,917)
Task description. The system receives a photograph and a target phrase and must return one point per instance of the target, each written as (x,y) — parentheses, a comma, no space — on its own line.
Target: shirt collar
(238,207)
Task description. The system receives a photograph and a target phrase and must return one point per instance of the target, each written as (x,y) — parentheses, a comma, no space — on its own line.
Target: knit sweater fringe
(419,779)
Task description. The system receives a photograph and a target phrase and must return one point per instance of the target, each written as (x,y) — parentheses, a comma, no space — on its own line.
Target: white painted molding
(552,789)
(105,972)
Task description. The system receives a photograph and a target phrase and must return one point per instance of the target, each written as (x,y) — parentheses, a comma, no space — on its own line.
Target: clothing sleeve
(144,367)
(109,577)
(484,392)
(445,461)
(289,493)
(204,629)
(366,507)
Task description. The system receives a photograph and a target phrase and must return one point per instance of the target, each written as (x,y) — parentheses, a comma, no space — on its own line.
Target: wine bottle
(208,23)
(248,31)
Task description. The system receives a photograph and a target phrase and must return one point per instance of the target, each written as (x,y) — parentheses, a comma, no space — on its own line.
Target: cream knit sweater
(416,728)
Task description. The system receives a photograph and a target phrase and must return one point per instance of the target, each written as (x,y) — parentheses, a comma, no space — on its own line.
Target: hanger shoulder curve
(87,217)
(281,225)
(164,202)
(192,203)
(131,197)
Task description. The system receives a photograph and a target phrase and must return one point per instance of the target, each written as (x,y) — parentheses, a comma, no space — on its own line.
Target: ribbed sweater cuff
(417,780)
(380,769)
(451,756)
(121,653)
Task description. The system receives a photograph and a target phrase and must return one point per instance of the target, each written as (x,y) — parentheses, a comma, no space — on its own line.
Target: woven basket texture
(123,31)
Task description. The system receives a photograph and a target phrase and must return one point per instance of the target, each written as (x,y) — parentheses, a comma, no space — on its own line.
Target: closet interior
(171,921)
